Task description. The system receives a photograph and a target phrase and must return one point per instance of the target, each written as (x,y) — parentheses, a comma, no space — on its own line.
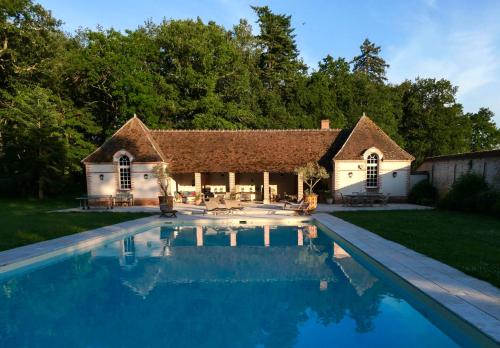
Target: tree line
(62,94)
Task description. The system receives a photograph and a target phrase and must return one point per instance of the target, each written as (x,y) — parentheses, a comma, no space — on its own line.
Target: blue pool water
(209,286)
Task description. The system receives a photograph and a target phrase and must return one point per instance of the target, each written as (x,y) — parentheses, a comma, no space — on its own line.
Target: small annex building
(258,163)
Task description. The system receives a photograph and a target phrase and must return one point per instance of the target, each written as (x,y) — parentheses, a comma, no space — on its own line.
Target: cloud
(460,48)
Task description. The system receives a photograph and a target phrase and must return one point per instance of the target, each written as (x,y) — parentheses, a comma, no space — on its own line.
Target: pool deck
(474,300)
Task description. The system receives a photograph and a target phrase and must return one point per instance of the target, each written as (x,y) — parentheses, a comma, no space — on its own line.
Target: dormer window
(372,171)
(124,170)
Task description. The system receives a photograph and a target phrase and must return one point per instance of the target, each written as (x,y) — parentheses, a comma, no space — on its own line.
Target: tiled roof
(244,151)
(188,151)
(135,138)
(367,134)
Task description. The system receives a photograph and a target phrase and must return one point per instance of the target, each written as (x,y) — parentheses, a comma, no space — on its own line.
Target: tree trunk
(40,188)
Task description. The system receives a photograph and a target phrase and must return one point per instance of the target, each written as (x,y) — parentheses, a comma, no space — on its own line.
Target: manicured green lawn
(468,242)
(28,221)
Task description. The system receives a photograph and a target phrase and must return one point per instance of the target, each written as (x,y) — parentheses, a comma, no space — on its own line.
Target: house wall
(397,186)
(145,191)
(443,173)
(183,182)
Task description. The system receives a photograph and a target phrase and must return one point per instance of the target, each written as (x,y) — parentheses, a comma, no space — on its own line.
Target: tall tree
(370,63)
(484,133)
(433,123)
(43,139)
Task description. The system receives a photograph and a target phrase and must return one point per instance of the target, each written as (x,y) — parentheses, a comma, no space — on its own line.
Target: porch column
(300,237)
(232,237)
(199,236)
(232,182)
(197,182)
(266,188)
(300,187)
(266,235)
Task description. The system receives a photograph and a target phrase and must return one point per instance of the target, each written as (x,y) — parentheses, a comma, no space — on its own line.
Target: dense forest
(62,94)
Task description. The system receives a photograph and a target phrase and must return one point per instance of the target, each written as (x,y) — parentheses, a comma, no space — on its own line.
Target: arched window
(124,167)
(372,171)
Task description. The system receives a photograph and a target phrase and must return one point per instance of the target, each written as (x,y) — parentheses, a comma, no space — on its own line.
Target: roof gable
(367,134)
(135,138)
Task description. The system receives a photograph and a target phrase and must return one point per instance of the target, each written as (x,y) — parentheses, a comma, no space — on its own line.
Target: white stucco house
(257,163)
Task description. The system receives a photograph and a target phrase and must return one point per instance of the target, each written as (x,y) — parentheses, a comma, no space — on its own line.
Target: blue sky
(458,40)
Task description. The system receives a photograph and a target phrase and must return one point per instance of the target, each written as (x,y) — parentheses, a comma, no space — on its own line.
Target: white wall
(141,187)
(96,186)
(395,186)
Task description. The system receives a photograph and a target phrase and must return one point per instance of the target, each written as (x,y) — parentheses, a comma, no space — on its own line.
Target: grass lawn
(468,242)
(28,221)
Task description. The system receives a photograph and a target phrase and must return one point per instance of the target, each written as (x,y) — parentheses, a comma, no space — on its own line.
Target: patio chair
(212,206)
(233,204)
(384,199)
(303,209)
(292,206)
(344,200)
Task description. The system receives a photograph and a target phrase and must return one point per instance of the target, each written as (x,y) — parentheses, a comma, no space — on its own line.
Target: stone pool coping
(476,301)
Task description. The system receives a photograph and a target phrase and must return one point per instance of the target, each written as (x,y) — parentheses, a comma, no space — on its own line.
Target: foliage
(485,135)
(470,193)
(468,242)
(43,138)
(369,63)
(192,74)
(162,175)
(423,193)
(312,173)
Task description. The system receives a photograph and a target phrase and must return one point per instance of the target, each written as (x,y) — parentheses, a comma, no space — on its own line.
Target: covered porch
(264,187)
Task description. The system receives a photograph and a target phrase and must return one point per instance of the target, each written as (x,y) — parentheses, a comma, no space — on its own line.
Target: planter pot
(312,199)
(166,201)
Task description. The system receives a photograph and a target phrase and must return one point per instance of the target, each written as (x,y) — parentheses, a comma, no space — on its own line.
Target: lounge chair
(303,209)
(292,206)
(233,204)
(167,212)
(212,206)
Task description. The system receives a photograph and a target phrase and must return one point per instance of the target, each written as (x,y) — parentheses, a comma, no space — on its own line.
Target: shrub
(423,193)
(470,193)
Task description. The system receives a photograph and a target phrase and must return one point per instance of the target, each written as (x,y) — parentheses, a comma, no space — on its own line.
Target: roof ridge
(244,130)
(151,140)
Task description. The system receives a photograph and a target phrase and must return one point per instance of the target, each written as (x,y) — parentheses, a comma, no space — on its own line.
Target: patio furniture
(233,204)
(86,200)
(167,212)
(124,198)
(292,206)
(344,200)
(303,209)
(212,206)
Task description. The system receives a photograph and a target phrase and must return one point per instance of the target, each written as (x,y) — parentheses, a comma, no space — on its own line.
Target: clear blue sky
(458,40)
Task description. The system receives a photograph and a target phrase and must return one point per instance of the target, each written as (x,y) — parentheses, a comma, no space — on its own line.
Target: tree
(43,139)
(432,123)
(312,173)
(369,63)
(484,133)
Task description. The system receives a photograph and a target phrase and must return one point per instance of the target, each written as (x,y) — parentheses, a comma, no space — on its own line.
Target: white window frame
(372,163)
(124,173)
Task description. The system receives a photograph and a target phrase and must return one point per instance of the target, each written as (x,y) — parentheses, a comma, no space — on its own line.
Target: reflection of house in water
(360,278)
(187,254)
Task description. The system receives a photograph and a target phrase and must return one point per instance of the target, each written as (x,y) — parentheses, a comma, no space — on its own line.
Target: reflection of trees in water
(87,303)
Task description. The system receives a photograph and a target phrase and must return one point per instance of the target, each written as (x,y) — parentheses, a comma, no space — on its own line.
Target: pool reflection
(204,286)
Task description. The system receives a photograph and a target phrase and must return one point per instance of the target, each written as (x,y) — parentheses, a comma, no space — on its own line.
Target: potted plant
(312,173)
(197,198)
(162,174)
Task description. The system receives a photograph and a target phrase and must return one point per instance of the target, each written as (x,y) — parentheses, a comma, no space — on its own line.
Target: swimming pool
(221,286)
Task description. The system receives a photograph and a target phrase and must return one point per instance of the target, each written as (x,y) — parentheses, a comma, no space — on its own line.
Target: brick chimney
(325,124)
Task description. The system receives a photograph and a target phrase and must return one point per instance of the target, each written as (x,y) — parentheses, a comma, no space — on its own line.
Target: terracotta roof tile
(133,137)
(367,134)
(245,151)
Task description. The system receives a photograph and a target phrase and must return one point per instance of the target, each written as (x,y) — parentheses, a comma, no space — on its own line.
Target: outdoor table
(85,200)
